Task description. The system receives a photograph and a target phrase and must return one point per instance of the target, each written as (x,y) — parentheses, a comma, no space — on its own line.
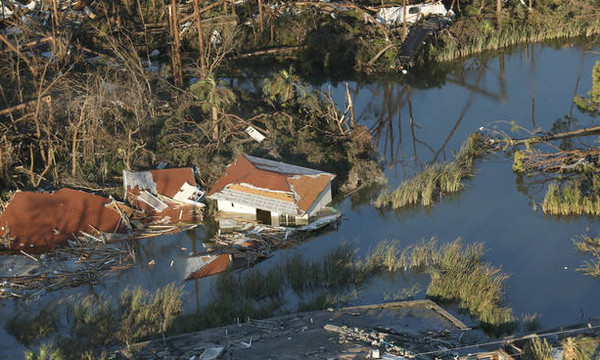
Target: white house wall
(228,206)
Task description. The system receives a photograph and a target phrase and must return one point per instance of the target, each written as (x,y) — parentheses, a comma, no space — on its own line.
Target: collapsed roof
(170,194)
(41,221)
(271,185)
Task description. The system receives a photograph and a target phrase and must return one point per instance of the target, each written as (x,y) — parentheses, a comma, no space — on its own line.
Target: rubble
(251,245)
(415,325)
(24,278)
(167,196)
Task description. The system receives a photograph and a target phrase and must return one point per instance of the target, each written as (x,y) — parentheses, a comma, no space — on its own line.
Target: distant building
(166,195)
(271,192)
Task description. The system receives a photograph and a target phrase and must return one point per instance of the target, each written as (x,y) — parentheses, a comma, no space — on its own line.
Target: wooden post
(176,46)
(200,38)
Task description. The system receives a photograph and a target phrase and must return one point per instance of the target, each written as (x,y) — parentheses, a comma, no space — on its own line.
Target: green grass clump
(537,349)
(550,20)
(436,180)
(581,347)
(95,323)
(591,246)
(477,287)
(457,275)
(28,328)
(576,197)
(143,314)
(45,352)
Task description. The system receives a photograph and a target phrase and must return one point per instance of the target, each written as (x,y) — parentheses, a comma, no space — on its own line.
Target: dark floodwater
(532,86)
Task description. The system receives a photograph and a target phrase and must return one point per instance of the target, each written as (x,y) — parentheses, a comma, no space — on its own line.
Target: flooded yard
(414,124)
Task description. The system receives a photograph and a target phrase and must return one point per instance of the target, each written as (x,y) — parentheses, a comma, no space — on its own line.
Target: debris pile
(415,325)
(166,196)
(30,277)
(249,245)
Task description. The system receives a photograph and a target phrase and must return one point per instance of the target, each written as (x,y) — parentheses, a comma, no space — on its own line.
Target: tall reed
(436,180)
(575,197)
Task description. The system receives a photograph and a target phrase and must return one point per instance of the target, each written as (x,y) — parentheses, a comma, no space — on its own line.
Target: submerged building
(271,192)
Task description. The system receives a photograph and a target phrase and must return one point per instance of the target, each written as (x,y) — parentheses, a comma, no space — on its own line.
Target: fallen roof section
(270,185)
(168,196)
(41,221)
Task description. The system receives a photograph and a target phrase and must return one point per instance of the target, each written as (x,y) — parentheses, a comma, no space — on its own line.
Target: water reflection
(425,118)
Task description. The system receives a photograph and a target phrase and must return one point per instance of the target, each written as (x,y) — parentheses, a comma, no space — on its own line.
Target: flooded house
(272,192)
(166,196)
(41,221)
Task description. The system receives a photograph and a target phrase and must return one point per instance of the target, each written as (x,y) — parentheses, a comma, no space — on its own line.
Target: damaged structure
(167,196)
(394,16)
(272,192)
(41,221)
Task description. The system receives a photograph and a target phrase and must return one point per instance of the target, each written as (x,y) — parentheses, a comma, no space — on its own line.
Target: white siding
(228,206)
(322,201)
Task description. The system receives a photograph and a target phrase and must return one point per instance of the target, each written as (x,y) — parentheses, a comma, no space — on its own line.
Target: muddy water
(415,121)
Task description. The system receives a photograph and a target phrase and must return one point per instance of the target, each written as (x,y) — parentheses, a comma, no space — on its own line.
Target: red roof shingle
(304,187)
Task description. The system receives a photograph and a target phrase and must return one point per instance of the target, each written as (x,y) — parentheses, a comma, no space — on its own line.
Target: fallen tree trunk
(557,136)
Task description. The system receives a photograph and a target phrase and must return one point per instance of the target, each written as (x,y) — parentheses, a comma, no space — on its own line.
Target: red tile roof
(304,187)
(41,221)
(169,181)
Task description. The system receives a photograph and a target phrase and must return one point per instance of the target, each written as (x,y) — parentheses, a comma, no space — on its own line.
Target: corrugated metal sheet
(282,168)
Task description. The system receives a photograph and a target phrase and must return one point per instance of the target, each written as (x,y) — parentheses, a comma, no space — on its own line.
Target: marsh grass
(457,275)
(28,328)
(318,282)
(575,197)
(543,24)
(45,352)
(143,314)
(436,180)
(530,322)
(95,323)
(581,347)
(537,349)
(456,270)
(324,300)
(590,246)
